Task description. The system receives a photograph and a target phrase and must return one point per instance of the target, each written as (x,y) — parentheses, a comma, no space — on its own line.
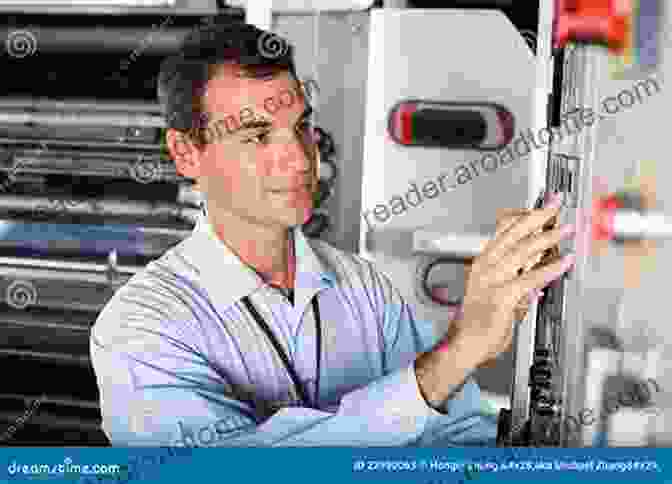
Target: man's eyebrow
(259,73)
(267,123)
(256,123)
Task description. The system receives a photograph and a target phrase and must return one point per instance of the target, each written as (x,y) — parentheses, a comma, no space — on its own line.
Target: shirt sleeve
(157,388)
(461,419)
(165,393)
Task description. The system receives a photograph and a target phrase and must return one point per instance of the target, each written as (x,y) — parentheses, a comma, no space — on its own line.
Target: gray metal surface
(587,65)
(404,63)
(44,206)
(332,49)
(99,106)
(180,7)
(74,118)
(525,332)
(111,163)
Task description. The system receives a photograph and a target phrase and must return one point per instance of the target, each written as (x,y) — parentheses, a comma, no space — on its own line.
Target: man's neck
(269,252)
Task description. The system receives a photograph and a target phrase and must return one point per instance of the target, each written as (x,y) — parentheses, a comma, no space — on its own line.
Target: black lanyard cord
(283,356)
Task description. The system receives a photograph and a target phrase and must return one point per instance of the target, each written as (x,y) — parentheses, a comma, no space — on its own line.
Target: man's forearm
(442,371)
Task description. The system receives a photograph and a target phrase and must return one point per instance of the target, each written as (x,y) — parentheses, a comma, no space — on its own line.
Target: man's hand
(499,279)
(505,219)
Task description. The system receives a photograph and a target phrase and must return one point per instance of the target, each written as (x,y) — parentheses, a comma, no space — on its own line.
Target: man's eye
(305,125)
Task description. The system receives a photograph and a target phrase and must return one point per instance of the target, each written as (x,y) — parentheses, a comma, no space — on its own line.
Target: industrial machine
(432,135)
(89,196)
(566,370)
(439,123)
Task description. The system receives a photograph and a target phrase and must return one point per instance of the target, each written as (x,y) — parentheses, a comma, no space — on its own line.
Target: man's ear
(184,153)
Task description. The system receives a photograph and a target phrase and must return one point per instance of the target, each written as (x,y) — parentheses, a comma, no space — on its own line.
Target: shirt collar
(223,273)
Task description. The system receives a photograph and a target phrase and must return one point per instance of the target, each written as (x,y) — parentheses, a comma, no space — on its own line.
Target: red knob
(603,217)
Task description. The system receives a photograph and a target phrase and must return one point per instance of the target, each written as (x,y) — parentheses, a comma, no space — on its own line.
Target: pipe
(40,206)
(62,284)
(48,319)
(17,267)
(66,402)
(42,419)
(57,358)
(42,142)
(65,118)
(152,41)
(117,165)
(115,154)
(117,9)
(38,241)
(127,231)
(38,104)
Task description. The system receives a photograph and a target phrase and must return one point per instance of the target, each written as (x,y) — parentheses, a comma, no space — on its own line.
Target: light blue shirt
(181,362)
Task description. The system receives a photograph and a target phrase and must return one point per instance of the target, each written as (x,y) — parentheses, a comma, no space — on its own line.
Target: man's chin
(298,218)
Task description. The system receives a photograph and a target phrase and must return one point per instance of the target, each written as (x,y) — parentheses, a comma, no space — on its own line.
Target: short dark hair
(183,76)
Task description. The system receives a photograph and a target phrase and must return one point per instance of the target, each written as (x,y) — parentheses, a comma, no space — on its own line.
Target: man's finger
(505,219)
(538,279)
(528,253)
(530,223)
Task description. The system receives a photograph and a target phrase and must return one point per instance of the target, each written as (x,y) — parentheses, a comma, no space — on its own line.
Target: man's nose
(291,156)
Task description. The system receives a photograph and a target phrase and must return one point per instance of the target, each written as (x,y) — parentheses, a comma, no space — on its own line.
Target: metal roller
(50,207)
(110,39)
(69,340)
(61,284)
(145,232)
(49,399)
(67,118)
(61,358)
(17,267)
(68,320)
(96,164)
(37,104)
(58,422)
(114,137)
(38,239)
(124,139)
(113,154)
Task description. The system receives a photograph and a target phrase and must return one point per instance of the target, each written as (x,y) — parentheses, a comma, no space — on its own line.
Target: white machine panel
(422,202)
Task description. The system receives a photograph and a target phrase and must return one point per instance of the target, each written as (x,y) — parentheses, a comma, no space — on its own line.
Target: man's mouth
(299,189)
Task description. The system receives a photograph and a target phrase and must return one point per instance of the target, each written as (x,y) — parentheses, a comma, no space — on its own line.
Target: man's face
(260,163)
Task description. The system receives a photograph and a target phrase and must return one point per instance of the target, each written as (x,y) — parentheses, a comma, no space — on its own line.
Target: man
(249,334)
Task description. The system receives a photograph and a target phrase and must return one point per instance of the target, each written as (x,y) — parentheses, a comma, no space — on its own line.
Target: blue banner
(333,465)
